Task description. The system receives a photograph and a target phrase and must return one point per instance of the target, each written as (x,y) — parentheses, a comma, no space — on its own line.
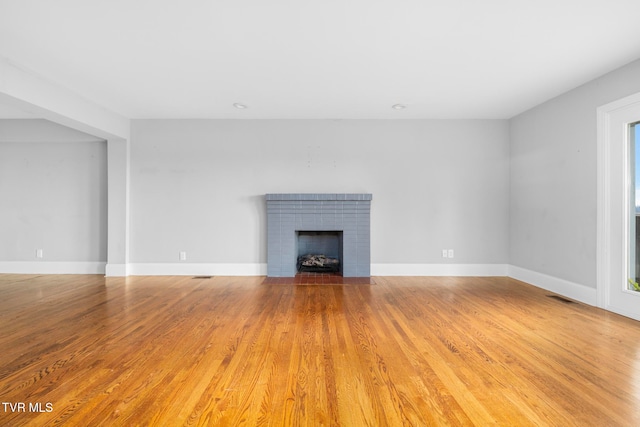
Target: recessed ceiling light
(398,106)
(240,106)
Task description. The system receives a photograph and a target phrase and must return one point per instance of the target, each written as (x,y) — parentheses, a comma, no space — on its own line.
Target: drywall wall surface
(553,194)
(40,130)
(53,193)
(198,186)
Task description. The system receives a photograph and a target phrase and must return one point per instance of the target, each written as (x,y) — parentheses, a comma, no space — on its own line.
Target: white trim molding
(562,287)
(197,269)
(439,269)
(612,203)
(117,270)
(260,269)
(49,267)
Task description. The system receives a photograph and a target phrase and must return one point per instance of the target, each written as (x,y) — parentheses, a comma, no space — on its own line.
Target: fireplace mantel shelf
(319,196)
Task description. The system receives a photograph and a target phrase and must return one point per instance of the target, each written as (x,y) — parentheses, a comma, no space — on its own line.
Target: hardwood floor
(85,351)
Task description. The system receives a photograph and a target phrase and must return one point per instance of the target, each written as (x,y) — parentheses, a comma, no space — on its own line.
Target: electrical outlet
(445,253)
(450,253)
(39,253)
(183,256)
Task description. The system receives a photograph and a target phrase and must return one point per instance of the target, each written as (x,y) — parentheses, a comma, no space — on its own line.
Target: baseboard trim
(260,269)
(439,269)
(52,267)
(117,270)
(563,287)
(197,269)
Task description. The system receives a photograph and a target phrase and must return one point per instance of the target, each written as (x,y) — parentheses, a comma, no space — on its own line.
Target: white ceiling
(335,59)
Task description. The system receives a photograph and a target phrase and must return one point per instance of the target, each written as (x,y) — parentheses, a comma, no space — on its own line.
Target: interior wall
(53,187)
(198,186)
(553,194)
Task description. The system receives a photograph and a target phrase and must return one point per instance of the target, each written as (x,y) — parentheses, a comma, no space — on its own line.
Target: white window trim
(611,224)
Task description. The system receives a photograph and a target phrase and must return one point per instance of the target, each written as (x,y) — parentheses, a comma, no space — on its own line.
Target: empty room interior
(319,213)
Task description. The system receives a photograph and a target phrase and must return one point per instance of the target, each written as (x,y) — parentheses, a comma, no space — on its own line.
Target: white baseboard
(50,267)
(260,269)
(439,269)
(197,269)
(563,287)
(117,270)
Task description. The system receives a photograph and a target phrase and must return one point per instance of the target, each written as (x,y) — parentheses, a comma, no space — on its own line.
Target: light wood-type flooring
(224,351)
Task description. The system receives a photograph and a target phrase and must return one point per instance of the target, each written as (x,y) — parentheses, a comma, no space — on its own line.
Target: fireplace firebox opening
(319,251)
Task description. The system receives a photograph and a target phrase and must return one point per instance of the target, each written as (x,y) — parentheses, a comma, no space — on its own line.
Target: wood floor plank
(413,351)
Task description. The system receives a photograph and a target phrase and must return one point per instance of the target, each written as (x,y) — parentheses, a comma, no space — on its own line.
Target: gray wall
(198,185)
(553,179)
(53,193)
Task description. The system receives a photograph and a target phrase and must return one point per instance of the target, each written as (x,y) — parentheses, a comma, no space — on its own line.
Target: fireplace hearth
(336,226)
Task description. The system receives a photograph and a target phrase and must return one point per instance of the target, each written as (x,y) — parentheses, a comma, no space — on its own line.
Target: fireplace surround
(292,214)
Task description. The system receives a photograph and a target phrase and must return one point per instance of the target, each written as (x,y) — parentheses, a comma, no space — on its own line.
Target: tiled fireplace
(294,219)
